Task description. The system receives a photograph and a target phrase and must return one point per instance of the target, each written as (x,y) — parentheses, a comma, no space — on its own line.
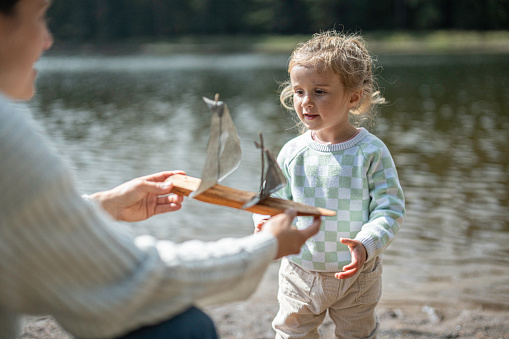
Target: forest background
(275,25)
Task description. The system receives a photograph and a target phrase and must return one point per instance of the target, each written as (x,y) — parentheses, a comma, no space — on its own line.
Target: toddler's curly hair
(347,56)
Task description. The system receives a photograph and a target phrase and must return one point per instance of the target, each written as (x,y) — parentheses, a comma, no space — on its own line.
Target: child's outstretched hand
(359,256)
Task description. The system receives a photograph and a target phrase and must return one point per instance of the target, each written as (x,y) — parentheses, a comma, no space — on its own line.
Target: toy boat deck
(236,198)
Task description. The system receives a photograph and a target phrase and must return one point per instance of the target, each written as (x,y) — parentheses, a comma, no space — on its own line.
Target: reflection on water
(115,118)
(448,128)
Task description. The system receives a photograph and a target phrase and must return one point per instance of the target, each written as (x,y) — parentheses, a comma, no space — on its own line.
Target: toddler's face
(320,99)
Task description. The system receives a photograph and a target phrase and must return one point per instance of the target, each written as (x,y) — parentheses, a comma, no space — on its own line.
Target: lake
(115,118)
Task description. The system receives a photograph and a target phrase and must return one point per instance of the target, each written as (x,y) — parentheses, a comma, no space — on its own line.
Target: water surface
(116,118)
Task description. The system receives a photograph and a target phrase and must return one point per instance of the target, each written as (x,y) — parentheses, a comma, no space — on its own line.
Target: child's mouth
(309,116)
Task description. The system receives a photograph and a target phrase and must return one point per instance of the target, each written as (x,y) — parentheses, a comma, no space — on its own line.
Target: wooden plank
(232,197)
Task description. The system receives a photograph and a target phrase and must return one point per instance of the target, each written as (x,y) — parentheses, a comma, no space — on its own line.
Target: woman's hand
(289,238)
(140,198)
(359,257)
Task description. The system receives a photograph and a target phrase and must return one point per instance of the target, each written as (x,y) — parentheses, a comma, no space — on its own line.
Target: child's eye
(298,92)
(319,91)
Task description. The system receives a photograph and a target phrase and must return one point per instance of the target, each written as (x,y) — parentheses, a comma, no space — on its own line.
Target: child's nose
(306,101)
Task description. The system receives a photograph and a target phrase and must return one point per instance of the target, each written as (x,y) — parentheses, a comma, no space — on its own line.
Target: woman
(62,255)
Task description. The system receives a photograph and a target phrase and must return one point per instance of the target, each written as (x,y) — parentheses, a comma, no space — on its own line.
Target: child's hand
(359,256)
(259,226)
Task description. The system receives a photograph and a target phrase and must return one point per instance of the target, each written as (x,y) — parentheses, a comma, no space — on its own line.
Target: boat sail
(223,150)
(272,178)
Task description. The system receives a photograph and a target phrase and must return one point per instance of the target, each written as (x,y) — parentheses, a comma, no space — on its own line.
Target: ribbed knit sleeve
(62,255)
(387,201)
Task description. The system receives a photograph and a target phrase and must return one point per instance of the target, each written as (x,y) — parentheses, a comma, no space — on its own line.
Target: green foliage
(113,20)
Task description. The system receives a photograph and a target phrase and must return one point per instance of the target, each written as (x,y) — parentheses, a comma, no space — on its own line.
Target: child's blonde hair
(345,55)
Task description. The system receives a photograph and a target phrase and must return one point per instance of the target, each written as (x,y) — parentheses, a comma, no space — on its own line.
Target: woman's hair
(7,6)
(345,55)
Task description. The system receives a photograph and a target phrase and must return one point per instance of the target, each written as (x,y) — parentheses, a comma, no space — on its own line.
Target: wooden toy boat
(223,157)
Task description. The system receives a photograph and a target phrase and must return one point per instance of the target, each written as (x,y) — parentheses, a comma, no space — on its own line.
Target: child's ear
(355,98)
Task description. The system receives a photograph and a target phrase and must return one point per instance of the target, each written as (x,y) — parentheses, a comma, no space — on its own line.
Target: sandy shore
(251,320)
(400,317)
(409,320)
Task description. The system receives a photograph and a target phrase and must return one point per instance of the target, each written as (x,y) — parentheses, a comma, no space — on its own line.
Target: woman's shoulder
(14,121)
(18,128)
(27,158)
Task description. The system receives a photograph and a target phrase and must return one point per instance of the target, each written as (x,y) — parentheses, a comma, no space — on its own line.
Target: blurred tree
(481,15)
(400,14)
(260,16)
(291,16)
(177,18)
(74,19)
(112,20)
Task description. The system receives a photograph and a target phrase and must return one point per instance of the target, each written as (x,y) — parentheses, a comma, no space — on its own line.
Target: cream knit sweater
(63,256)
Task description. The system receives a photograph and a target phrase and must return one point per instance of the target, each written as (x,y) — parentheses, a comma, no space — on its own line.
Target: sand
(401,316)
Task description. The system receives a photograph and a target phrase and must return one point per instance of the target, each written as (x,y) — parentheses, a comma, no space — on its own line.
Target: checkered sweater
(356,178)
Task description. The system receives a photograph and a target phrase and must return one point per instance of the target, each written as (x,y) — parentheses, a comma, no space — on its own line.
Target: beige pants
(304,298)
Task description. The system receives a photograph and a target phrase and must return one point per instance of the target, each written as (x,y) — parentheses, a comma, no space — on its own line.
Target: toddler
(336,165)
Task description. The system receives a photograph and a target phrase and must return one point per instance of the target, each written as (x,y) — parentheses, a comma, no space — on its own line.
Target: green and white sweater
(356,178)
